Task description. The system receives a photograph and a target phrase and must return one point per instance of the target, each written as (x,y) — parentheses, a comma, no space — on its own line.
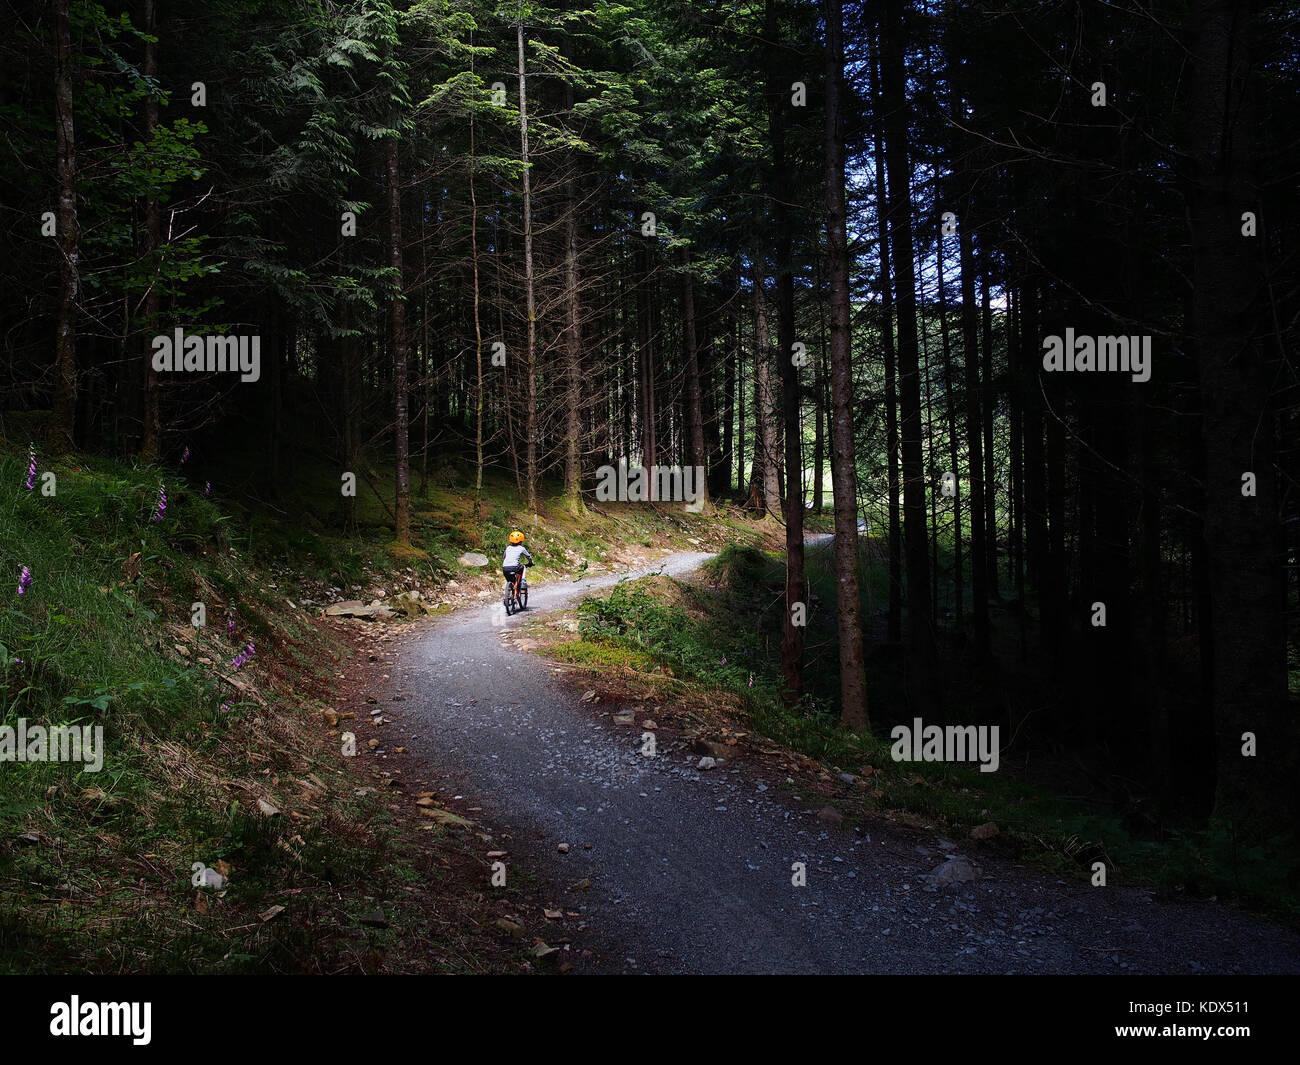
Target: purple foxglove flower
(161,508)
(24,580)
(31,467)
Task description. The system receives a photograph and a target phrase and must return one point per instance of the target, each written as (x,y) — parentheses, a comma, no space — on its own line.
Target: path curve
(691,871)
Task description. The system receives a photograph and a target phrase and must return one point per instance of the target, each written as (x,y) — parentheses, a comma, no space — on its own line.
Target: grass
(96,867)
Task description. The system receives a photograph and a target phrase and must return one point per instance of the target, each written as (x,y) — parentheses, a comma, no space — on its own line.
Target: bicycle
(516,597)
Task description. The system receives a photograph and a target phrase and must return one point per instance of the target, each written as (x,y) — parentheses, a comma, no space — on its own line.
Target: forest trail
(691,871)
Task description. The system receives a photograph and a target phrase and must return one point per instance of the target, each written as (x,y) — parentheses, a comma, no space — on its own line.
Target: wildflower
(24,580)
(31,467)
(751,680)
(244,655)
(185,457)
(724,660)
(207,488)
(162,503)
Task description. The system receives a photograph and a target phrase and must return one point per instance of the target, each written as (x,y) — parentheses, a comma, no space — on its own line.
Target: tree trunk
(478,333)
(530,368)
(894,620)
(401,428)
(766,491)
(63,426)
(694,407)
(958,591)
(573,331)
(1242,533)
(645,364)
(922,658)
(150,429)
(796,605)
(853,681)
(974,441)
(987,398)
(572,357)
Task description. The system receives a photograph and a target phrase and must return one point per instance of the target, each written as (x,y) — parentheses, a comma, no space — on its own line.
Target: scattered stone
(985,831)
(268,914)
(444,817)
(473,558)
(830,815)
(625,718)
(588,696)
(848,778)
(513,927)
(354,608)
(953,871)
(267,809)
(648,724)
(541,950)
(182,650)
(581,885)
(706,763)
(703,746)
(374,919)
(563,848)
(331,717)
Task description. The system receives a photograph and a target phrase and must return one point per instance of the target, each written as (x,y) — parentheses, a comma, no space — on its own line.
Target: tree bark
(922,658)
(150,429)
(974,441)
(63,425)
(401,427)
(1242,533)
(796,604)
(894,617)
(765,492)
(530,368)
(853,681)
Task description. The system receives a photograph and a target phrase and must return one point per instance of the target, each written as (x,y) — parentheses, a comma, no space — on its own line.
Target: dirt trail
(691,871)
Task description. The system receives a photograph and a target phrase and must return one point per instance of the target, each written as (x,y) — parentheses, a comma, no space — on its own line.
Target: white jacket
(513,552)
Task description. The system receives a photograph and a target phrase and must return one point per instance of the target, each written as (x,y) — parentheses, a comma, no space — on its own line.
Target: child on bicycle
(511,565)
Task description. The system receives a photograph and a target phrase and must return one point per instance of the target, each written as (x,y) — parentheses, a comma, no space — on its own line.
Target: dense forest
(1012,286)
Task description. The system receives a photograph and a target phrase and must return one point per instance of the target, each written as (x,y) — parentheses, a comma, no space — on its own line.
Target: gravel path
(691,871)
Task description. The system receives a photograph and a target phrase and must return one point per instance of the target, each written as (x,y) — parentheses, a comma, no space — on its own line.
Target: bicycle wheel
(523,598)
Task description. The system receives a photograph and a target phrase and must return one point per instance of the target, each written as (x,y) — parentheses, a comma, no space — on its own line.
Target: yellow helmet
(516,537)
